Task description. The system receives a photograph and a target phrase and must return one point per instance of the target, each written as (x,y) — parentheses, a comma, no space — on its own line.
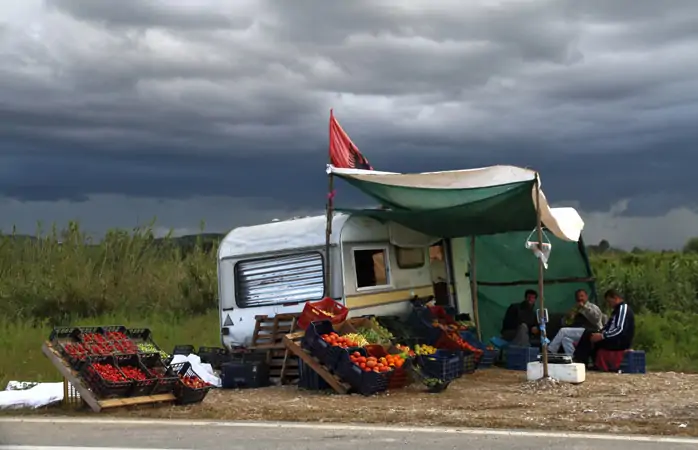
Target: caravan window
(279,280)
(409,258)
(371,267)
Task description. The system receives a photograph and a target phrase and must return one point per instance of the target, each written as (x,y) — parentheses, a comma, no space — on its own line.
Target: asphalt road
(95,434)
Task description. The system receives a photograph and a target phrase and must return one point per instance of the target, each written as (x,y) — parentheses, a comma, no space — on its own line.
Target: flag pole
(329,212)
(541,284)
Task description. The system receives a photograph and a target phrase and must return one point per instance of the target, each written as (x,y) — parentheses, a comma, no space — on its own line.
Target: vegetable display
(378,365)
(424,350)
(134,373)
(405,350)
(463,344)
(109,373)
(147,347)
(193,382)
(338,341)
(358,339)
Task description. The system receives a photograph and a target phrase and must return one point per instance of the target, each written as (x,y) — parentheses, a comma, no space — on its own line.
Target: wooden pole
(328,235)
(473,287)
(541,277)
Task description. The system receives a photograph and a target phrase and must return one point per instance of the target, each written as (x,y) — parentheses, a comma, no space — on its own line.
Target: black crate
(60,335)
(183,349)
(444,364)
(399,329)
(166,377)
(107,331)
(143,338)
(75,354)
(421,321)
(469,363)
(309,380)
(365,383)
(320,349)
(101,387)
(213,355)
(184,394)
(140,387)
(243,374)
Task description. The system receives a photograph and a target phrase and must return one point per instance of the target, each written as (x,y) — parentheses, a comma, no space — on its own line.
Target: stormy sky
(113,113)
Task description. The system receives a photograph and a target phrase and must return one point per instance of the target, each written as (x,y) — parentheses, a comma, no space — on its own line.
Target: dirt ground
(657,403)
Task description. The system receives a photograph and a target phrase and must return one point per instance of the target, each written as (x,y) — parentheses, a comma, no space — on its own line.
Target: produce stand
(87,395)
(292,342)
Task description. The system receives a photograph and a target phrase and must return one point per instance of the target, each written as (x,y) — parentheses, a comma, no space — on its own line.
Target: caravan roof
(306,232)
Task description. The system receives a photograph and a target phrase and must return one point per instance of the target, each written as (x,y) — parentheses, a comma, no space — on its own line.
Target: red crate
(313,312)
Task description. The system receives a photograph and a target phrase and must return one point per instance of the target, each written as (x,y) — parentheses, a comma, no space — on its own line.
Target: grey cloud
(212,97)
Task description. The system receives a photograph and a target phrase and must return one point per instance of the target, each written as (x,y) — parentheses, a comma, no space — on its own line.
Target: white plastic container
(569,373)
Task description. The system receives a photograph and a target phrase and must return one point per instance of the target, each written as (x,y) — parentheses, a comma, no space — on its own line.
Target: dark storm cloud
(159,99)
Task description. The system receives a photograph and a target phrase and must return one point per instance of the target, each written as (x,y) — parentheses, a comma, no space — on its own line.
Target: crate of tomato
(190,388)
(366,374)
(165,376)
(104,377)
(325,343)
(396,360)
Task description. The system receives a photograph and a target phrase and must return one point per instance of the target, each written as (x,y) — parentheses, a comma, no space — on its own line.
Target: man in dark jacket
(617,334)
(520,324)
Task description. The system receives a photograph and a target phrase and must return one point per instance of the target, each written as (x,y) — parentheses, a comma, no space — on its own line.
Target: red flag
(343,153)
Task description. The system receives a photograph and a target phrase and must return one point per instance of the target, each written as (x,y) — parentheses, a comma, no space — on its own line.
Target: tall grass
(130,277)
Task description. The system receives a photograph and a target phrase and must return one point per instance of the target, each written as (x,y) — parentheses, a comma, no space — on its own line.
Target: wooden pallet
(268,336)
(292,342)
(87,395)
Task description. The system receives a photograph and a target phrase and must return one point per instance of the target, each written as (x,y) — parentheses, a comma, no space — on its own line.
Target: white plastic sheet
(203,370)
(40,395)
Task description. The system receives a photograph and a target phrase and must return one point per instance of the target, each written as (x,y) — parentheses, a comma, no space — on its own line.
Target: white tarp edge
(40,395)
(203,370)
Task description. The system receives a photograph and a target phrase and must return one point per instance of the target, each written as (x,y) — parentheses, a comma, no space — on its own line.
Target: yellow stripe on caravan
(383,298)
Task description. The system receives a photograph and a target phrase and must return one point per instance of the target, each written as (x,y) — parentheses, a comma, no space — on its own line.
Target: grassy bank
(169,285)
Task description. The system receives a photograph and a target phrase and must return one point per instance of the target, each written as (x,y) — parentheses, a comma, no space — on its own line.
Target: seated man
(584,316)
(617,334)
(520,324)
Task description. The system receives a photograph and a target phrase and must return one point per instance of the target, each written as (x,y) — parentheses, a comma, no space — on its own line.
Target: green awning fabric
(450,213)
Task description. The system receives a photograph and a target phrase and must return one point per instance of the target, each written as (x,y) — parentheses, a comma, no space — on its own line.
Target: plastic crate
(166,377)
(399,376)
(99,385)
(75,354)
(313,312)
(245,374)
(365,383)
(517,358)
(60,335)
(444,364)
(143,339)
(309,380)
(183,349)
(212,355)
(401,330)
(114,332)
(470,363)
(186,395)
(324,352)
(139,388)
(634,361)
(420,320)
(488,358)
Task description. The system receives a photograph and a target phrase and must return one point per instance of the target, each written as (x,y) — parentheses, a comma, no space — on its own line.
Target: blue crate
(633,362)
(324,352)
(420,320)
(444,364)
(308,379)
(365,383)
(469,363)
(517,358)
(488,358)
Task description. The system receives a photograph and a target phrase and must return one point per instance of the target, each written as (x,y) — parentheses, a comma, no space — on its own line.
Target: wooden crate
(268,336)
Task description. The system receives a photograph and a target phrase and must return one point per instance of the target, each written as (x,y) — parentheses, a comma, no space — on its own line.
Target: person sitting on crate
(584,316)
(616,335)
(520,324)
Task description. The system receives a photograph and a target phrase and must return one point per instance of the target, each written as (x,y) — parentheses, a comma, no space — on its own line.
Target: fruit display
(374,364)
(109,372)
(424,350)
(405,350)
(357,338)
(193,382)
(134,373)
(147,347)
(336,340)
(383,332)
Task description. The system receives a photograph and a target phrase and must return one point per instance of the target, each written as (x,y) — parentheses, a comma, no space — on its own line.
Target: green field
(169,285)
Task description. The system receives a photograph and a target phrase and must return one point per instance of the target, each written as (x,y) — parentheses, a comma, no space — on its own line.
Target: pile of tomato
(377,364)
(109,373)
(463,344)
(115,342)
(134,373)
(336,340)
(193,382)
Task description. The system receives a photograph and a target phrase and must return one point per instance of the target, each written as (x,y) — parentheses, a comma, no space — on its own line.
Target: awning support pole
(473,287)
(541,278)
(328,235)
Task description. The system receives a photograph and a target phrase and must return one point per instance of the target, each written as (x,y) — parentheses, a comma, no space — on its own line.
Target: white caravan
(276,267)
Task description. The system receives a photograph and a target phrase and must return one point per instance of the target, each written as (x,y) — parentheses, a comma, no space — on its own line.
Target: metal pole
(541,275)
(473,287)
(328,235)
